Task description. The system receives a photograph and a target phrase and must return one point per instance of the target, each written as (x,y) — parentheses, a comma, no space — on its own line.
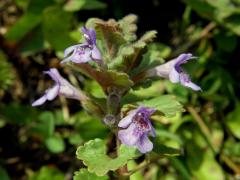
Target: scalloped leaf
(84,174)
(167,104)
(93,154)
(109,35)
(107,79)
(129,27)
(130,56)
(165,151)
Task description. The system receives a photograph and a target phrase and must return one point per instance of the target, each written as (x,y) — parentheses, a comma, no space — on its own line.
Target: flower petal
(129,136)
(90,35)
(128,119)
(52,93)
(183,58)
(54,74)
(152,131)
(144,145)
(186,81)
(174,76)
(39,101)
(192,86)
(82,58)
(69,50)
(96,55)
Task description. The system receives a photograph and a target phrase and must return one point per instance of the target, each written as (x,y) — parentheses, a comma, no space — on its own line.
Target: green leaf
(233,23)
(6,72)
(89,127)
(55,144)
(3,174)
(56,27)
(233,121)
(165,151)
(129,27)
(83,174)
(44,125)
(94,4)
(230,41)
(149,60)
(31,18)
(46,172)
(94,156)
(34,42)
(223,12)
(76,5)
(16,113)
(137,175)
(107,79)
(181,167)
(131,55)
(166,104)
(109,35)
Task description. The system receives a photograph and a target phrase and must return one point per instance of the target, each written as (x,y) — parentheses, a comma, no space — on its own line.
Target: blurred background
(38,143)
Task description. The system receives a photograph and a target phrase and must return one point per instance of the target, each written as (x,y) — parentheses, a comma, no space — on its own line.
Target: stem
(199,120)
(143,165)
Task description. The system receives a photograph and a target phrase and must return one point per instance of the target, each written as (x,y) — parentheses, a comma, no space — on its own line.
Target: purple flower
(138,126)
(87,51)
(172,70)
(61,87)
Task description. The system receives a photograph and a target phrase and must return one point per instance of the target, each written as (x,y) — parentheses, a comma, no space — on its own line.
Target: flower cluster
(136,126)
(81,53)
(173,71)
(87,51)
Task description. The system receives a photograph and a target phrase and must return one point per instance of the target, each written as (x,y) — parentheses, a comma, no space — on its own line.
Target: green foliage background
(41,143)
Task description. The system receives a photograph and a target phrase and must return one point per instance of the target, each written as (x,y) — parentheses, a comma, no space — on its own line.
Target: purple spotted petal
(144,145)
(78,53)
(127,120)
(129,136)
(96,55)
(174,76)
(138,126)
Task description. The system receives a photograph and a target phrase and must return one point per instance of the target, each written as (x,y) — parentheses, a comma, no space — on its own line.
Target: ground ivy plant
(120,63)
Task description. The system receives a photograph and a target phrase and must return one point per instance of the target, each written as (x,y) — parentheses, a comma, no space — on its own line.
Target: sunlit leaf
(76,5)
(84,174)
(166,104)
(46,172)
(55,144)
(94,156)
(233,121)
(129,27)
